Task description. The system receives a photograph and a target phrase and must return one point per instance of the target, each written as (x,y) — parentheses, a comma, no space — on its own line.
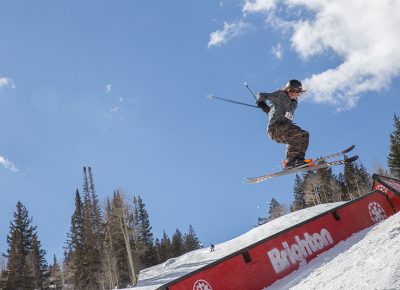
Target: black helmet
(294,84)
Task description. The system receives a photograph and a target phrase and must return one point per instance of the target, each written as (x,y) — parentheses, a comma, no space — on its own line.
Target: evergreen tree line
(105,248)
(323,186)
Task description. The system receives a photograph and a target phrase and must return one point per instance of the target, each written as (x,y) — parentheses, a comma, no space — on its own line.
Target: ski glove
(263,106)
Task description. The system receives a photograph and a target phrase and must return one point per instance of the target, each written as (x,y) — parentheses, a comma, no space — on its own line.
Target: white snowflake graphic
(376,212)
(201,285)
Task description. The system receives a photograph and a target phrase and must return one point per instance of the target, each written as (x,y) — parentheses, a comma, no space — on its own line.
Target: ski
(306,167)
(330,156)
(318,160)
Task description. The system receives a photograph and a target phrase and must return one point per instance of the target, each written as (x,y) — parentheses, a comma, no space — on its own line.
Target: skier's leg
(292,135)
(297,142)
(282,133)
(305,137)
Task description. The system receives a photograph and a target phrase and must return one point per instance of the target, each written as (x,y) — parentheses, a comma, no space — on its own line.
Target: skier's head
(294,88)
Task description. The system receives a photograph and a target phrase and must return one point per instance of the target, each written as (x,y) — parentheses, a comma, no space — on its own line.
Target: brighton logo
(376,212)
(201,285)
(299,251)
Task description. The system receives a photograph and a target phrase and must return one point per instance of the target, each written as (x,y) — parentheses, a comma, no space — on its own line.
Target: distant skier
(281,107)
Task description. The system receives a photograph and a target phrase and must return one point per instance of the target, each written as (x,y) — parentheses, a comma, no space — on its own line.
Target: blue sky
(122,87)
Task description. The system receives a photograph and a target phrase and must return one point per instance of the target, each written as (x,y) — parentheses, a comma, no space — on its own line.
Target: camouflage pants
(292,135)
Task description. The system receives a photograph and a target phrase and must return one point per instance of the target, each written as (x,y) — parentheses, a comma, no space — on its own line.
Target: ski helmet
(294,84)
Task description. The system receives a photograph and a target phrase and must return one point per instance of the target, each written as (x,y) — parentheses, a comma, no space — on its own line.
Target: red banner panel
(264,262)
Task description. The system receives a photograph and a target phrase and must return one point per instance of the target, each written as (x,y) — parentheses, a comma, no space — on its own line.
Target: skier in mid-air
(280,108)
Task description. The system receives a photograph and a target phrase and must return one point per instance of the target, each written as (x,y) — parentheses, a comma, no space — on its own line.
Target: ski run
(367,260)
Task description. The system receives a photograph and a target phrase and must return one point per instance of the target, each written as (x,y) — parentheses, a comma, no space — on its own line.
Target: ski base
(315,165)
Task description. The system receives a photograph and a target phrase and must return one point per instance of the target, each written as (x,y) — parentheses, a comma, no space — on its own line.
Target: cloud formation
(7,164)
(230,30)
(7,82)
(108,88)
(277,51)
(362,33)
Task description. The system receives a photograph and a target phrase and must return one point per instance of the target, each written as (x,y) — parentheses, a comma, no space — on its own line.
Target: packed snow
(367,260)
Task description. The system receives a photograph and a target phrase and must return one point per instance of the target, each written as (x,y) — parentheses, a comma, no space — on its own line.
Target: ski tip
(252,180)
(350,148)
(248,180)
(352,159)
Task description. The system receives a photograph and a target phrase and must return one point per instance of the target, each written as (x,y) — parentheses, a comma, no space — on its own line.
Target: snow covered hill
(367,260)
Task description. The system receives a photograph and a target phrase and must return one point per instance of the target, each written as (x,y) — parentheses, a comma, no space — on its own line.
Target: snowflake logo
(376,212)
(201,285)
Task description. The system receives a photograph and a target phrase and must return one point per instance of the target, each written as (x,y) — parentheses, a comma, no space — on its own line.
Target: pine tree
(112,244)
(76,251)
(364,180)
(394,154)
(165,248)
(177,244)
(343,187)
(93,233)
(26,265)
(191,240)
(327,185)
(3,272)
(38,264)
(148,256)
(17,269)
(349,177)
(275,210)
(95,212)
(56,279)
(299,202)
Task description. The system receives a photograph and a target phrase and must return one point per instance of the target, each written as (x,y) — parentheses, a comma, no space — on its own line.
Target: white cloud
(363,33)
(114,109)
(259,6)
(7,82)
(230,30)
(7,164)
(277,51)
(108,88)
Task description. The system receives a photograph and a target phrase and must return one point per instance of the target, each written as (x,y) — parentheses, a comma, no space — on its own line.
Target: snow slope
(369,259)
(179,266)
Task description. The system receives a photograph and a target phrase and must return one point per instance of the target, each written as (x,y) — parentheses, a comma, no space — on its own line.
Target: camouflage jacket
(282,106)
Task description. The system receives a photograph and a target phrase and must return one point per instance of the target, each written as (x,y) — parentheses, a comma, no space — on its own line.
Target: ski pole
(212,97)
(247,86)
(264,107)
